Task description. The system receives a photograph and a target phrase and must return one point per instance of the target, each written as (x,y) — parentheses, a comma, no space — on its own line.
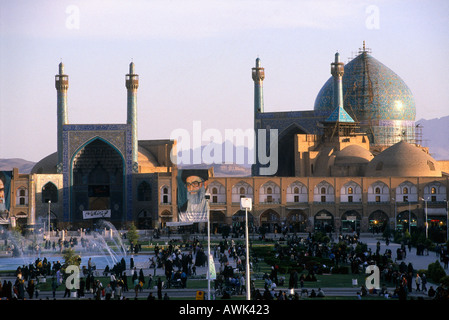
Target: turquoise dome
(374,96)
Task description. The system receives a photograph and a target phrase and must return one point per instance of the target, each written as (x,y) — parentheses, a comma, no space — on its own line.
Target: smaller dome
(353,154)
(46,165)
(146,158)
(403,160)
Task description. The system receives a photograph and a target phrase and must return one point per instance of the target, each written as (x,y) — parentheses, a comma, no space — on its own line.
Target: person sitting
(320,293)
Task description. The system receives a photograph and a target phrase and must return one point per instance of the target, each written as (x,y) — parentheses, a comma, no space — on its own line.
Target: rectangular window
(323,198)
(377,198)
(296,199)
(214,199)
(349,198)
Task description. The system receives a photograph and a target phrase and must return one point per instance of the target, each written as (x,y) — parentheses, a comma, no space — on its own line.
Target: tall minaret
(132,83)
(258,76)
(62,85)
(337,71)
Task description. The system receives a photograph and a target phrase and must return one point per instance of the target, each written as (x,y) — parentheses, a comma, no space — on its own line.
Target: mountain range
(435,136)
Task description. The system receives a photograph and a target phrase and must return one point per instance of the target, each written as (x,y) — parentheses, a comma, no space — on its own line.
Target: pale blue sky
(194,59)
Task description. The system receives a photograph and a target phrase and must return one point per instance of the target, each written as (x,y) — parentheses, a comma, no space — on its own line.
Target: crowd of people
(179,261)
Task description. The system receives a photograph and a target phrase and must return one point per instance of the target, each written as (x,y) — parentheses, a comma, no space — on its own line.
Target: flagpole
(246,203)
(248,285)
(208,248)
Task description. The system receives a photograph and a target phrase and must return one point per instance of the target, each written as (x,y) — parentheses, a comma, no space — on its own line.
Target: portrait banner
(192,203)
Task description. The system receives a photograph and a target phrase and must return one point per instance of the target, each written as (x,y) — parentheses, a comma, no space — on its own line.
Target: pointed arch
(297,192)
(351,192)
(378,192)
(324,192)
(49,193)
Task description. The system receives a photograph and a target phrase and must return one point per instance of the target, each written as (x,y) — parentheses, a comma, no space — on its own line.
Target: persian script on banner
(92,214)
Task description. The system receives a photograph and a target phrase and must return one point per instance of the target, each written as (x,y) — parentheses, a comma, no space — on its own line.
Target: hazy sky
(194,60)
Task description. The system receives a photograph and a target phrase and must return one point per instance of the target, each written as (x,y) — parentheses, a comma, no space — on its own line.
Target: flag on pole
(212,272)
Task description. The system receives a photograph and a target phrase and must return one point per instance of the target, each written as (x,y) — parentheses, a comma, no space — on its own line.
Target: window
(433,199)
(242,190)
(296,190)
(214,199)
(349,198)
(165,195)
(214,190)
(350,190)
(377,198)
(269,190)
(433,190)
(377,190)
(323,198)
(21,198)
(323,190)
(405,190)
(405,198)
(269,199)
(296,199)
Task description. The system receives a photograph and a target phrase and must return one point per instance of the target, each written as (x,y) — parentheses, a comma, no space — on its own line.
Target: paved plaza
(418,262)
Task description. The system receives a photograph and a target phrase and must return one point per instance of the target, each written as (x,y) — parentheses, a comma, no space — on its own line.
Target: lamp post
(409,219)
(427,227)
(246,203)
(395,222)
(447,220)
(49,203)
(207,196)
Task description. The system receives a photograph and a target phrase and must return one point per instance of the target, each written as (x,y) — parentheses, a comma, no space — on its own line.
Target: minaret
(337,71)
(339,123)
(62,85)
(132,83)
(258,76)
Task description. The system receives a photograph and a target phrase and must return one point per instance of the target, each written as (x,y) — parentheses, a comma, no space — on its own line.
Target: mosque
(353,163)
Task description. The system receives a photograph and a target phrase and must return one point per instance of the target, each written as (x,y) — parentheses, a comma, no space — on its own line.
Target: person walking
(108,292)
(424,282)
(418,282)
(54,286)
(136,285)
(159,288)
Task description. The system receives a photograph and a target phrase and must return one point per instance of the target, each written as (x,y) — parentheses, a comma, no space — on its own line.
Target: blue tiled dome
(374,96)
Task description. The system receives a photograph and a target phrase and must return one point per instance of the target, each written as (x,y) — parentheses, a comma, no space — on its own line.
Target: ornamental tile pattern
(75,137)
(373,93)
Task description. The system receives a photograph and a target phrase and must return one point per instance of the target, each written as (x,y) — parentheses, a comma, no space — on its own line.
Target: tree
(132,234)
(71,258)
(435,271)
